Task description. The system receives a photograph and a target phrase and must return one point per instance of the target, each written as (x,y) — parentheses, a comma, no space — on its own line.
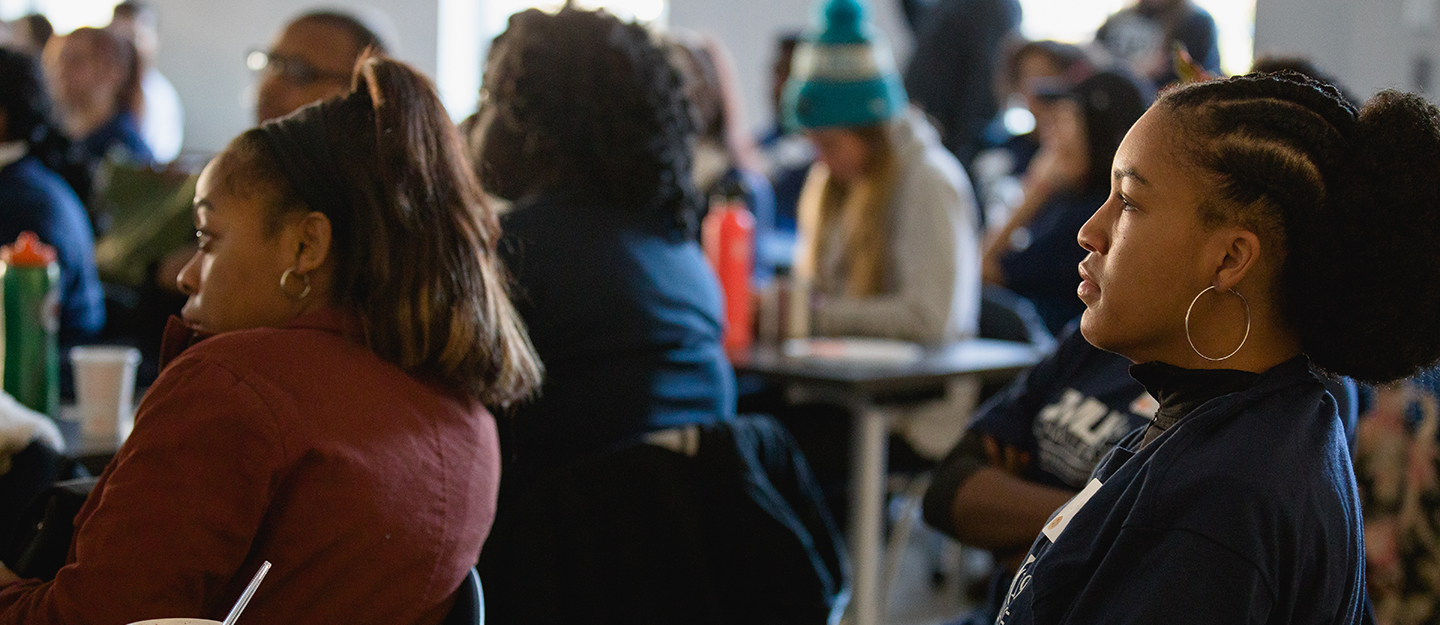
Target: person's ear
(1240,256)
(314,234)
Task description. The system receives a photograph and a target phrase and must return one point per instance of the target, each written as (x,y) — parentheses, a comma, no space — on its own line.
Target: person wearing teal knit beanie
(844,75)
(887,243)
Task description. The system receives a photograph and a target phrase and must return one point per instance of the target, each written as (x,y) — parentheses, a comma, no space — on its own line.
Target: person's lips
(1087,290)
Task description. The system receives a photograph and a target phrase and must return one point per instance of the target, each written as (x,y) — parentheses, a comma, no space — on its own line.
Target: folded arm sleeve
(967,457)
(177,512)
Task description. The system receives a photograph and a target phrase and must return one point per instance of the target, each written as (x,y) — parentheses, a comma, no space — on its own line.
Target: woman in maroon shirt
(355,324)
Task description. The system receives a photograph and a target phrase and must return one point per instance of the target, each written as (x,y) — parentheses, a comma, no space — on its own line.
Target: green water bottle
(32,323)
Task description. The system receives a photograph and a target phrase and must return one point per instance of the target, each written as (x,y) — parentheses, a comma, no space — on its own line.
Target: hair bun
(1375,252)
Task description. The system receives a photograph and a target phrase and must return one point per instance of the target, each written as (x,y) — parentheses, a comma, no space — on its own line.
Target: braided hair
(1350,197)
(597,111)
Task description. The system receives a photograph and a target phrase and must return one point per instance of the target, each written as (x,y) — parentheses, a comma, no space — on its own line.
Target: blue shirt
(33,198)
(627,320)
(1245,511)
(122,132)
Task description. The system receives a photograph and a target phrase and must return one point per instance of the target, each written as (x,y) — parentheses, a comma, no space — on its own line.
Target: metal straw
(249,592)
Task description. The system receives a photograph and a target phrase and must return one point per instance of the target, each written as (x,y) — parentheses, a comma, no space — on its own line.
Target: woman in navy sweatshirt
(1254,225)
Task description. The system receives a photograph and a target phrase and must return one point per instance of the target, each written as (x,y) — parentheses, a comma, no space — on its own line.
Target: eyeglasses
(290,69)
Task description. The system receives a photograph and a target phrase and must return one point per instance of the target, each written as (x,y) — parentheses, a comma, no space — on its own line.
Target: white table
(863,389)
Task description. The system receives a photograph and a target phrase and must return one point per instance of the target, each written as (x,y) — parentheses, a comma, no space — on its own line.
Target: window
(1075,21)
(64,15)
(467,26)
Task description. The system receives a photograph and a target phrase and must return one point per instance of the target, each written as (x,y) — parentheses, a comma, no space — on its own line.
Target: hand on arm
(7,576)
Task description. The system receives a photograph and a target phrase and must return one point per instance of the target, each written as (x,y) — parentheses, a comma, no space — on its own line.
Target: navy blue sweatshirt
(1244,511)
(626,318)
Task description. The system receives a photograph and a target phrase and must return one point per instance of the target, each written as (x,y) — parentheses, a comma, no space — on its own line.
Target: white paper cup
(178,621)
(105,391)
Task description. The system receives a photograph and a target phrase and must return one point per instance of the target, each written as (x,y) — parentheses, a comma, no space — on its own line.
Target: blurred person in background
(94,79)
(952,70)
(30,33)
(162,118)
(727,162)
(1034,252)
(96,84)
(584,126)
(310,60)
(787,154)
(34,198)
(888,245)
(1145,36)
(1028,67)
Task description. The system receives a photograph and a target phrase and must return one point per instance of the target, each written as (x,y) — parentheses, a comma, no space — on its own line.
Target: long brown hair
(862,209)
(414,239)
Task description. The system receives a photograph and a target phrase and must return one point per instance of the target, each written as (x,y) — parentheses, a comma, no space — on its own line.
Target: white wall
(749,29)
(204,42)
(1368,45)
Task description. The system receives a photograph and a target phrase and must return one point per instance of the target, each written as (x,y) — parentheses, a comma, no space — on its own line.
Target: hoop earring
(1242,339)
(285,277)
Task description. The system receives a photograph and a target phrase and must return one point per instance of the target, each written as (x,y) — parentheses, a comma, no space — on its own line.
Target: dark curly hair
(589,106)
(1352,198)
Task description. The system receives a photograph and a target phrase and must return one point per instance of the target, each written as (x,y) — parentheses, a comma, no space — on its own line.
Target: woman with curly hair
(1255,225)
(584,126)
(323,407)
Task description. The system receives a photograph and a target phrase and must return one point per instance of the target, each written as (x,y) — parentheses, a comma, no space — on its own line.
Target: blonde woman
(888,246)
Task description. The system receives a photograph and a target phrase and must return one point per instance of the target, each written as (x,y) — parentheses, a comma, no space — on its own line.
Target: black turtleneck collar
(1180,391)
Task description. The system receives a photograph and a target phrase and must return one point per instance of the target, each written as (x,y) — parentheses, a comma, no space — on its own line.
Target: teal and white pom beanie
(843,75)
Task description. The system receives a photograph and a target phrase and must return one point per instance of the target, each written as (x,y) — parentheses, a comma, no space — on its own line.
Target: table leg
(868,464)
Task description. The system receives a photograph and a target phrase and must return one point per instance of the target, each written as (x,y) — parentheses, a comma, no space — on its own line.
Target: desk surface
(987,358)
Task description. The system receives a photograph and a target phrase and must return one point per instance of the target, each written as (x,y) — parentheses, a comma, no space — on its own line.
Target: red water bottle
(728,236)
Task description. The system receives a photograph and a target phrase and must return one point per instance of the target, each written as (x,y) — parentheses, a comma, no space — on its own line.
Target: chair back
(1006,316)
(469,608)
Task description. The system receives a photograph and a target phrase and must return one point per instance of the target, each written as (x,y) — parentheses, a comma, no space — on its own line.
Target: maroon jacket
(368,490)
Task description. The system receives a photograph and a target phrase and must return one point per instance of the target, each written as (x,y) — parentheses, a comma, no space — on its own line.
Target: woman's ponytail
(414,240)
(1371,267)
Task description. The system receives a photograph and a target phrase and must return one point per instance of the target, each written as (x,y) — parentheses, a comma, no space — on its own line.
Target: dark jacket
(725,525)
(35,199)
(1045,271)
(951,75)
(627,319)
(1245,511)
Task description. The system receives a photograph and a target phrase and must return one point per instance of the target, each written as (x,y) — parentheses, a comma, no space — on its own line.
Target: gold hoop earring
(1242,339)
(285,277)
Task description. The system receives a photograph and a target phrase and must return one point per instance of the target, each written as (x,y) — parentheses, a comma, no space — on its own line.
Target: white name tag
(1061,520)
